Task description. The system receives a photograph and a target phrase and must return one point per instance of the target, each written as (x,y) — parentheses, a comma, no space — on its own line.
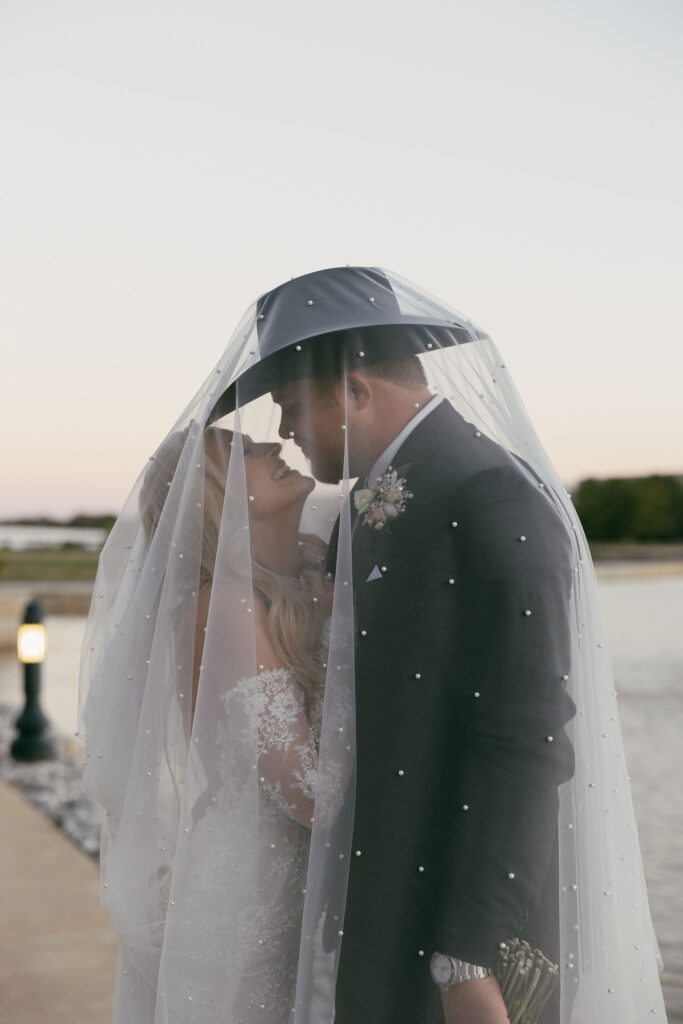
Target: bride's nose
(268,450)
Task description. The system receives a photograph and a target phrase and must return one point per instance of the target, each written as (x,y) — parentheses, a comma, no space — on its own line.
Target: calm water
(21,538)
(644,622)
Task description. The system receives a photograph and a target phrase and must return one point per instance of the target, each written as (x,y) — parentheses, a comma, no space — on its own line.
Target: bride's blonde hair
(293,620)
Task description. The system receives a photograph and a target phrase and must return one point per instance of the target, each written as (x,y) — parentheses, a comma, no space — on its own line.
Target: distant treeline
(100,522)
(633,508)
(648,508)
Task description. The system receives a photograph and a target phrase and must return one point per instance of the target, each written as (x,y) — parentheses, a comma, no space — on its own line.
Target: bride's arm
(313,555)
(288,755)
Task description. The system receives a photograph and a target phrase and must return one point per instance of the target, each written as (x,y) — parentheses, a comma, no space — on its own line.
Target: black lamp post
(31,744)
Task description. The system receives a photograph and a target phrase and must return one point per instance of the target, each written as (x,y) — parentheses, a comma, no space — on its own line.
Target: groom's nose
(283,429)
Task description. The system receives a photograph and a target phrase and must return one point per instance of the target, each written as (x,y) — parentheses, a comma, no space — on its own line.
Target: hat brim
(333,353)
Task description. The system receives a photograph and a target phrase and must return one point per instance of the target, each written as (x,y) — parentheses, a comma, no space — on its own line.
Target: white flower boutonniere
(385,501)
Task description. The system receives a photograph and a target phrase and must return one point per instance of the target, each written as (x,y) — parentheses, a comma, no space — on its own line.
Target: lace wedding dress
(259,944)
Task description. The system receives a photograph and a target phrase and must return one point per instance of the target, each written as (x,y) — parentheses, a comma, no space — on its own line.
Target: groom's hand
(474,1002)
(312,552)
(320,587)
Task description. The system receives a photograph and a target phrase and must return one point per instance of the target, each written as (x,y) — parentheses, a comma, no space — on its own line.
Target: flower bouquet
(526,979)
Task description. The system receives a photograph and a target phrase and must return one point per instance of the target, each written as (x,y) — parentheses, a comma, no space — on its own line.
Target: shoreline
(66,594)
(637,569)
(63,597)
(634,551)
(54,786)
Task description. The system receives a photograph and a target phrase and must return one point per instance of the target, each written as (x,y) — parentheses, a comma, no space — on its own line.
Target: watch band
(448,971)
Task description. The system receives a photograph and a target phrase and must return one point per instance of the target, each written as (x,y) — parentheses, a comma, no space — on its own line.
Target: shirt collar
(385,459)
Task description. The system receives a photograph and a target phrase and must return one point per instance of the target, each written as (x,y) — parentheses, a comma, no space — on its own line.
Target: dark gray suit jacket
(462,692)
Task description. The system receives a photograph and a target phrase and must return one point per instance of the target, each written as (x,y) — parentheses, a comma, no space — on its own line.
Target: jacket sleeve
(510,656)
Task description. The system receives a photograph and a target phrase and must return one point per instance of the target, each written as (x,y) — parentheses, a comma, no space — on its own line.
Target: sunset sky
(166,162)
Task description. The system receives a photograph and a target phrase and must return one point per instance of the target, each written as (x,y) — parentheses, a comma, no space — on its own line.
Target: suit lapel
(421,445)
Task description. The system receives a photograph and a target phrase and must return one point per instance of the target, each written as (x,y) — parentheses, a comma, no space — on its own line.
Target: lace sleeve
(288,755)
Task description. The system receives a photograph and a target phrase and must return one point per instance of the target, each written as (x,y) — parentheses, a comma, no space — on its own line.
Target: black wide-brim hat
(333,321)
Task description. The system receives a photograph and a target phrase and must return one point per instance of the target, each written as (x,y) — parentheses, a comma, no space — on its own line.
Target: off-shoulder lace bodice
(288,739)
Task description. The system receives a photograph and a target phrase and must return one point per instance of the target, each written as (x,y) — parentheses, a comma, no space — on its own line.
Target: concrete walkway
(57,947)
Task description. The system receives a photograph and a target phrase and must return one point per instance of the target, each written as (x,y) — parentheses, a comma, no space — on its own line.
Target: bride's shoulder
(272,696)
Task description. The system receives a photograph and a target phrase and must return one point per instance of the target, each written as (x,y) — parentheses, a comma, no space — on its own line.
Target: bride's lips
(282,470)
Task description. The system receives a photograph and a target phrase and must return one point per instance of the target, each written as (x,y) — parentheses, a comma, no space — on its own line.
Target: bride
(273,714)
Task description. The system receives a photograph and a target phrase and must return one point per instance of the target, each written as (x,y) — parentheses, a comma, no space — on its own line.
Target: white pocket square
(374,575)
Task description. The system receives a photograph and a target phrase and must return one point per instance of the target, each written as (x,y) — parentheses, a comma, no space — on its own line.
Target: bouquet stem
(526,978)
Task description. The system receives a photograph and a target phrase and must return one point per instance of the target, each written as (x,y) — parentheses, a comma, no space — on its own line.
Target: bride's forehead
(220,437)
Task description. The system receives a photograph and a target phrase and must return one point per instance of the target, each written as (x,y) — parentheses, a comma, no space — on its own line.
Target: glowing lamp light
(31,743)
(31,643)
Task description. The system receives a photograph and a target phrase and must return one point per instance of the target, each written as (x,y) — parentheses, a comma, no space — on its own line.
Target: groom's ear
(360,391)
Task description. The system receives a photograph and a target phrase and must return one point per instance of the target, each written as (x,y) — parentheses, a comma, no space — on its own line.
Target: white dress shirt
(385,459)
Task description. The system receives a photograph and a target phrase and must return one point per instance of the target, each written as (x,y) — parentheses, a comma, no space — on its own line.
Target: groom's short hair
(405,373)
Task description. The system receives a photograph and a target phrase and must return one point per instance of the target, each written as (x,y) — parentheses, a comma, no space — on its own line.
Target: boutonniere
(384,501)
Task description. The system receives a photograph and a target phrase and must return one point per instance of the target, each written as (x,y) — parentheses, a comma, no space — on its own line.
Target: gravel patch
(54,787)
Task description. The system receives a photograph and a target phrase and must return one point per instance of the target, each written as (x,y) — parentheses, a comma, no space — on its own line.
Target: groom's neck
(391,412)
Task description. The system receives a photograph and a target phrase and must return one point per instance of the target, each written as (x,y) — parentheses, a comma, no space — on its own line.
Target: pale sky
(164,163)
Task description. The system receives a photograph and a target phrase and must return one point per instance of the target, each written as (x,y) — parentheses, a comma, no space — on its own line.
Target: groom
(462,655)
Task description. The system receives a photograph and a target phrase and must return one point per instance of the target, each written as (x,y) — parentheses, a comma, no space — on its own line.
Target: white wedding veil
(228,896)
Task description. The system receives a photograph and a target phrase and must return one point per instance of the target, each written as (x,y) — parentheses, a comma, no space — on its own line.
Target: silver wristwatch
(448,971)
